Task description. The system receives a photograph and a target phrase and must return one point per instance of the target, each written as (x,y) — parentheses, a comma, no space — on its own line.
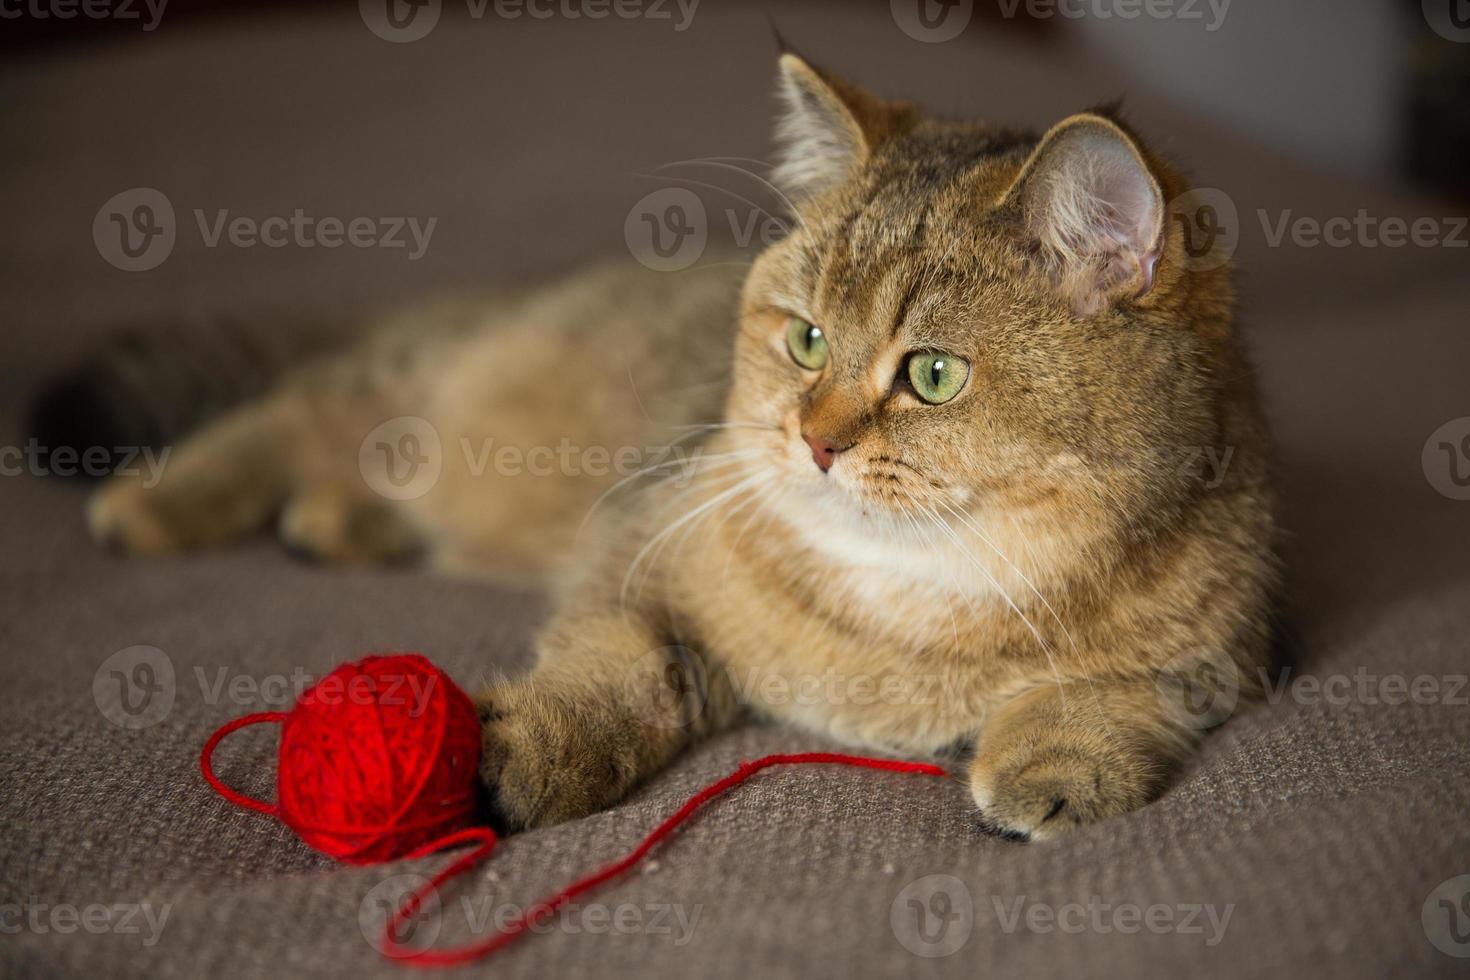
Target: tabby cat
(931,487)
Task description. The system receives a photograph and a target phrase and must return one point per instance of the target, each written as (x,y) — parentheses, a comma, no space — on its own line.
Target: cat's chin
(829,508)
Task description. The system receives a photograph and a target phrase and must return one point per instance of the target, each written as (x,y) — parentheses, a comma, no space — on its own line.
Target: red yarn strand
(206,762)
(547,906)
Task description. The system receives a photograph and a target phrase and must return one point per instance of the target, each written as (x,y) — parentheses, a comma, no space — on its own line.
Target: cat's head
(973,320)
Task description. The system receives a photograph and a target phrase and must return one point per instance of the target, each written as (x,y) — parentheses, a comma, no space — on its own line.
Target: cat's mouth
(873,482)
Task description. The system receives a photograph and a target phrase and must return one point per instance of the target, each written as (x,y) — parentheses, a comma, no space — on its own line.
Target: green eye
(937,377)
(807,343)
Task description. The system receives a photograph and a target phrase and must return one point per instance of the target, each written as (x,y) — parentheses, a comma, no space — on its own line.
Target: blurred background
(1368,88)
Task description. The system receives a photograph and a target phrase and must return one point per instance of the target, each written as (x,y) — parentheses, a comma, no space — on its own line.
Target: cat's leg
(610,704)
(224,482)
(1071,753)
(343,522)
(290,457)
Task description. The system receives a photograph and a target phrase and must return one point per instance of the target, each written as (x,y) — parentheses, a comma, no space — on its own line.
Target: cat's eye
(807,343)
(937,377)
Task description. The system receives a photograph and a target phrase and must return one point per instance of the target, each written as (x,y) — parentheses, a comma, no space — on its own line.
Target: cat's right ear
(827,130)
(1090,203)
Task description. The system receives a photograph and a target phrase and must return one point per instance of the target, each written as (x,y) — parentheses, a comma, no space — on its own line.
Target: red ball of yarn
(377,759)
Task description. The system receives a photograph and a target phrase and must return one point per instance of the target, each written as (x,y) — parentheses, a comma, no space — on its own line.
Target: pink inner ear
(1147,267)
(1128,205)
(1101,212)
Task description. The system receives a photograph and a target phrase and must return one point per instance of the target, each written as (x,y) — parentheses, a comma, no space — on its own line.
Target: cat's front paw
(545,761)
(1047,790)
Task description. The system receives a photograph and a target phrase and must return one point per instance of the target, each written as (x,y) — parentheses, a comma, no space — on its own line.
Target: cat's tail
(147,386)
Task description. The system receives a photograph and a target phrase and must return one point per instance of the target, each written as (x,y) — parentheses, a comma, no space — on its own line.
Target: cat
(931,486)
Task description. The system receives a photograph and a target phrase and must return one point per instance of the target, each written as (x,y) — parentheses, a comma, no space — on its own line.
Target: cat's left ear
(828,129)
(1090,202)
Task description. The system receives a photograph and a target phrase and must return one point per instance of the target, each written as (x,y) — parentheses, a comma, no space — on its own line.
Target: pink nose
(823,451)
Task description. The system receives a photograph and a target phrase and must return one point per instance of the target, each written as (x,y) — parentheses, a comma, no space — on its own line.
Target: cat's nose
(823,451)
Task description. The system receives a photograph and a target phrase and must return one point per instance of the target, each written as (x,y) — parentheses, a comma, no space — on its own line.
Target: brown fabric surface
(1324,826)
